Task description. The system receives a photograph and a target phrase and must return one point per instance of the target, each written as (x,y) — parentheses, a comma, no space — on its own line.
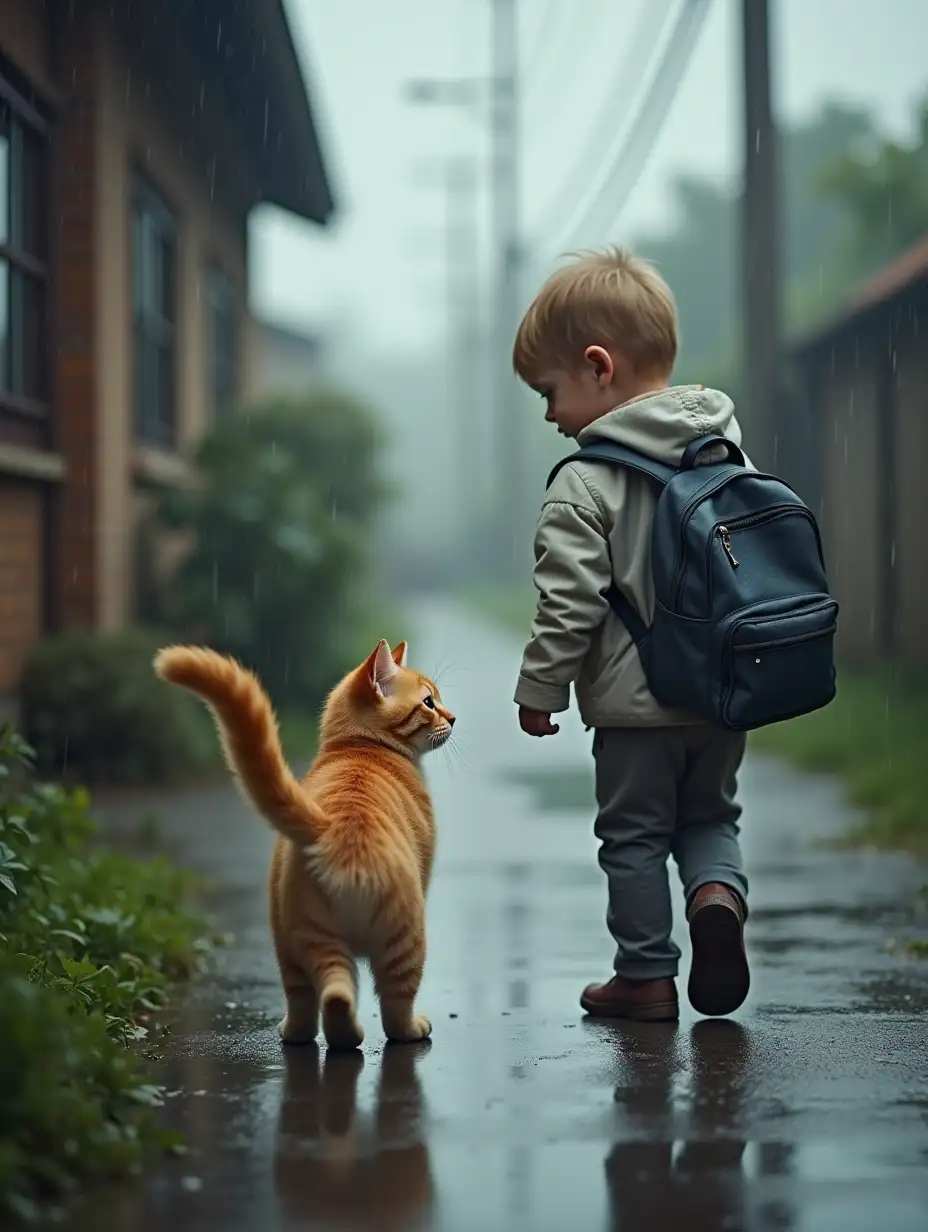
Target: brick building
(135,138)
(866,380)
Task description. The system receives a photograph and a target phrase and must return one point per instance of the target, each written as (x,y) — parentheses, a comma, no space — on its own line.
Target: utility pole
(760,290)
(502,523)
(465,365)
(505,176)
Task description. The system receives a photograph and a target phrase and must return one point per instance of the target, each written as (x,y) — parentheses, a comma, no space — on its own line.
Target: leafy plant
(280,526)
(92,706)
(92,941)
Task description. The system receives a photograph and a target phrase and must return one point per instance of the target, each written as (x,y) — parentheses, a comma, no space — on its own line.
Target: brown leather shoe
(719,976)
(638,1000)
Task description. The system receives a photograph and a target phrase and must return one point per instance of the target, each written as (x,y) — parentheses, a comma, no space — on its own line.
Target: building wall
(74,290)
(25,495)
(24,39)
(911,548)
(850,514)
(21,581)
(133,133)
(124,89)
(873,399)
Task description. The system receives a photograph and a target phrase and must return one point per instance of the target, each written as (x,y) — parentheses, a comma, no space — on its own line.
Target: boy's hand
(536,722)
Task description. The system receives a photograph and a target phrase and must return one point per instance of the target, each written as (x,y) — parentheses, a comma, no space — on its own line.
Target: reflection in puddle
(335,1167)
(682,1140)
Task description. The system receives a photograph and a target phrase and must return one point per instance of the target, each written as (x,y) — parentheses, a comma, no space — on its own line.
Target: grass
(92,943)
(874,736)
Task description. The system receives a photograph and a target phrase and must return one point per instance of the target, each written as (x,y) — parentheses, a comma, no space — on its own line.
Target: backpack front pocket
(777,664)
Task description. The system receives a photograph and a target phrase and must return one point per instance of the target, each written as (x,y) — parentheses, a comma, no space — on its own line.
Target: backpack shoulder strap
(599,450)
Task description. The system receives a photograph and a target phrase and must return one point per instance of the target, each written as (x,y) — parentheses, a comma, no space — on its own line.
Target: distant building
(286,360)
(866,380)
(135,138)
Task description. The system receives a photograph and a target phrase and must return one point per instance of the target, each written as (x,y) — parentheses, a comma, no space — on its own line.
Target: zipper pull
(725,537)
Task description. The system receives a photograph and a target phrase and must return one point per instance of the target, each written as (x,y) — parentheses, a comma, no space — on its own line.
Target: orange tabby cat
(356,837)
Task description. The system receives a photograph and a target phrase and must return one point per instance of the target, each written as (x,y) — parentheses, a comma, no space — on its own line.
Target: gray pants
(663,791)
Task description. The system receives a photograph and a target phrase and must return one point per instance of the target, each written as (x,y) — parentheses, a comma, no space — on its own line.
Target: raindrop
(265,120)
(215,582)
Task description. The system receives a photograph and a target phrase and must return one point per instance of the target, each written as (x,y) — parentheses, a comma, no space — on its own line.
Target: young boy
(599,344)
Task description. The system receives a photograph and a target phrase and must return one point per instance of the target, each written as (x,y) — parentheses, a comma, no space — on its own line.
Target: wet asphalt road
(810,1112)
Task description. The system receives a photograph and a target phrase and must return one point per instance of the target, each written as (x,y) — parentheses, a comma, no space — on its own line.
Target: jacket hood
(662,424)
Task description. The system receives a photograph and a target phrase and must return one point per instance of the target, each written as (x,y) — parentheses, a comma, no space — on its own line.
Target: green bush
(281,526)
(91,943)
(91,706)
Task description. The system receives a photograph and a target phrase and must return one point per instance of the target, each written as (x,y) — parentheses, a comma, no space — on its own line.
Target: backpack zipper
(768,515)
(784,641)
(725,536)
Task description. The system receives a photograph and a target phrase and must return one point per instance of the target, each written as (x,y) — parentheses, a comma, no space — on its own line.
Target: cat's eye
(429,701)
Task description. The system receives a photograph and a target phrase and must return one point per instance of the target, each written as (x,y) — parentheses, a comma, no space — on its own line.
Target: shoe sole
(719,977)
(661,1011)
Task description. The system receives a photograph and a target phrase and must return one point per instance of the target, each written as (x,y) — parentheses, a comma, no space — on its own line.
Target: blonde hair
(607,298)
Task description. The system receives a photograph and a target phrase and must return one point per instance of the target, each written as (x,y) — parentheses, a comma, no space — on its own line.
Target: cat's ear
(381,669)
(399,654)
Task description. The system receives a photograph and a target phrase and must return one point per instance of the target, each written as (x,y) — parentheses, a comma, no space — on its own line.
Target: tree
(280,523)
(700,258)
(882,187)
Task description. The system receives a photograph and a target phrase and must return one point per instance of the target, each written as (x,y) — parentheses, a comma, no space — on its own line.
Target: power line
(549,47)
(645,39)
(598,213)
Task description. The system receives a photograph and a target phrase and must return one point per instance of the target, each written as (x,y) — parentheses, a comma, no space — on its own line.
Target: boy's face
(577,398)
(572,399)
(604,381)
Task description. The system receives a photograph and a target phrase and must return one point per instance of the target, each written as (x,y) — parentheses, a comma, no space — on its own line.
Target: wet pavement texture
(807,1113)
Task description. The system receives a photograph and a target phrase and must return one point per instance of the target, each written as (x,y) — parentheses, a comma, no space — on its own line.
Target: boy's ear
(602,364)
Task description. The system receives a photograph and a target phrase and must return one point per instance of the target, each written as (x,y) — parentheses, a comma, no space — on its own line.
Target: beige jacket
(595,525)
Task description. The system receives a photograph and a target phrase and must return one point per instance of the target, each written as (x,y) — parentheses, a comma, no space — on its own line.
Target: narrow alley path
(808,1113)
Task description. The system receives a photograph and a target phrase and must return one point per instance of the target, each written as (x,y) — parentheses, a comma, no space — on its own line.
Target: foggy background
(374,285)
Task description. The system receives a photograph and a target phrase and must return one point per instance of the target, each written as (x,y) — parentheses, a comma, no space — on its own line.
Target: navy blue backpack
(744,626)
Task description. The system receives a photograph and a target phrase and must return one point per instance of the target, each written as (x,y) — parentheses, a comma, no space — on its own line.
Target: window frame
(154,335)
(19,119)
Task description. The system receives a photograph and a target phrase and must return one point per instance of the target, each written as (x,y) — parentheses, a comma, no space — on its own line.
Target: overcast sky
(379,269)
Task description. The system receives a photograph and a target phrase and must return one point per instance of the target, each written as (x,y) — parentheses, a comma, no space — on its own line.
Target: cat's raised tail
(249,734)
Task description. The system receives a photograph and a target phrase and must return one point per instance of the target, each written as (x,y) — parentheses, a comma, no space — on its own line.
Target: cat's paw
(342,1030)
(292,1031)
(417,1028)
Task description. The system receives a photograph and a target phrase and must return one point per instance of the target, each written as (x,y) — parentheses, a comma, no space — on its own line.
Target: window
(23,255)
(154,270)
(222,307)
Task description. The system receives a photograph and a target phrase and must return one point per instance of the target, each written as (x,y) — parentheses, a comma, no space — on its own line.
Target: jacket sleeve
(573,572)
